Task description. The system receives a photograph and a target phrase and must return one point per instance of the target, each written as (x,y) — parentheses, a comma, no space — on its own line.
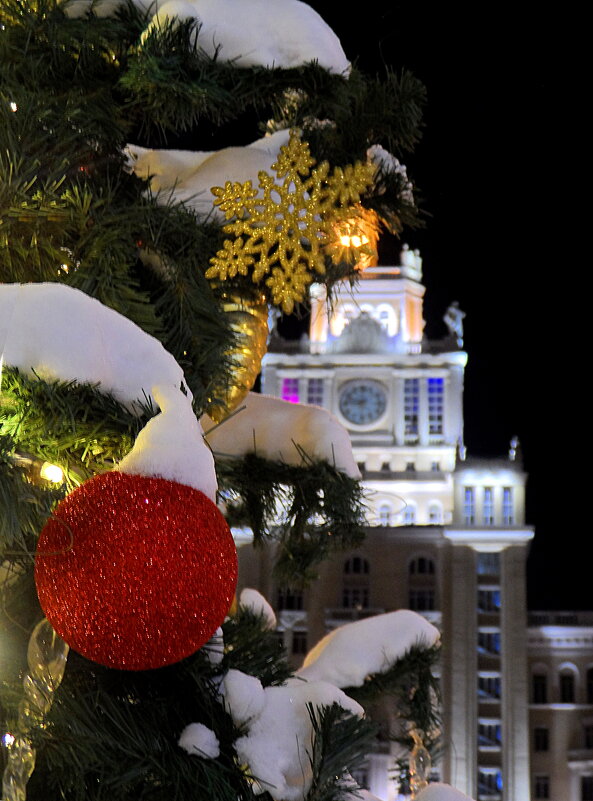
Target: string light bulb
(52,473)
(36,470)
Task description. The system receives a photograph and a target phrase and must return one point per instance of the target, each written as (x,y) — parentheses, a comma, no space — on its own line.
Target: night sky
(499,170)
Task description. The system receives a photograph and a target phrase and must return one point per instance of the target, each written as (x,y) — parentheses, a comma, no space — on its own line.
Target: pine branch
(74,425)
(413,687)
(309,512)
(24,507)
(252,648)
(341,744)
(112,736)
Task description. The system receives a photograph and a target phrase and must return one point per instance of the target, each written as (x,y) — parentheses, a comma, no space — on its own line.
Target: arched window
(385,315)
(409,515)
(435,513)
(384,514)
(567,684)
(355,583)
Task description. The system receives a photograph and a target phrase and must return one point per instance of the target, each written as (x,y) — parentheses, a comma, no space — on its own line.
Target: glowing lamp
(52,473)
(355,240)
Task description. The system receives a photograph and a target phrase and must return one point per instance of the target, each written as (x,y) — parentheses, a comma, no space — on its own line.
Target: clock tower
(399,397)
(446,533)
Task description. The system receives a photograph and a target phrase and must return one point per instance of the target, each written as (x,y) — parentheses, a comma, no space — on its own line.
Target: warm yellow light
(356,239)
(52,472)
(353,241)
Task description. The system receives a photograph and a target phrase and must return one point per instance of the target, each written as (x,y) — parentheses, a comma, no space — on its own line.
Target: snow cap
(250,33)
(256,603)
(243,696)
(278,742)
(171,445)
(59,333)
(187,176)
(347,655)
(198,740)
(282,431)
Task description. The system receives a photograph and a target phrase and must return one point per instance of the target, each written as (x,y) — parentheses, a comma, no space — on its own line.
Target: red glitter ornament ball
(134,572)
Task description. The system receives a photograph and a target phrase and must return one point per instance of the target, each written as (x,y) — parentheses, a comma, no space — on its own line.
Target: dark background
(500,171)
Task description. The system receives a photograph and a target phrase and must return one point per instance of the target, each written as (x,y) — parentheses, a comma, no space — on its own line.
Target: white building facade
(447,534)
(560,655)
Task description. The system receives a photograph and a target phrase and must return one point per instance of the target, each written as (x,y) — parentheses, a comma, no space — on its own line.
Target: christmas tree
(166,181)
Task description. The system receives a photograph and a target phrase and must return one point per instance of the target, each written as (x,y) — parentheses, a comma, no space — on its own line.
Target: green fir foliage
(411,685)
(251,647)
(341,745)
(308,512)
(73,93)
(113,735)
(73,425)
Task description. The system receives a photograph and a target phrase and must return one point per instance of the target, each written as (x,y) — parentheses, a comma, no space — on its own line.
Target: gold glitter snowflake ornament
(280,236)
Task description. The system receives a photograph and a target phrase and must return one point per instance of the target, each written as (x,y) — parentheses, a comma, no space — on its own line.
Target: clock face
(363,402)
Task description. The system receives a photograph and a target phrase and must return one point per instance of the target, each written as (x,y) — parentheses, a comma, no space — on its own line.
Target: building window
(567,688)
(489,733)
(539,688)
(508,517)
(489,687)
(385,514)
(435,467)
(541,787)
(541,739)
(289,600)
(435,514)
(355,589)
(355,598)
(489,782)
(436,394)
(356,565)
(409,515)
(489,600)
(421,593)
(299,642)
(290,390)
(315,391)
(386,317)
(590,686)
(411,408)
(586,788)
(588,735)
(488,506)
(421,599)
(469,506)
(489,642)
(488,564)
(421,566)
